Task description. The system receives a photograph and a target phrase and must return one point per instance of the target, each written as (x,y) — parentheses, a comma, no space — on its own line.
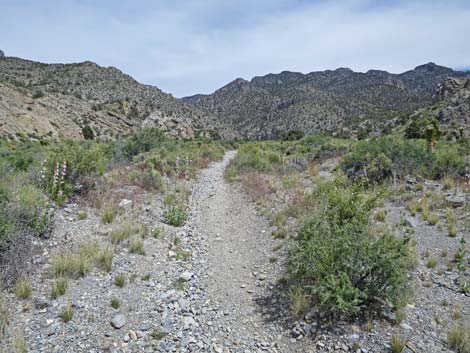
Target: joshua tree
(432,133)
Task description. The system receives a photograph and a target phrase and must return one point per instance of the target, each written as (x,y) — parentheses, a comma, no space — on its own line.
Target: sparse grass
(397,343)
(456,313)
(183,255)
(146,277)
(432,262)
(157,232)
(19,343)
(120,280)
(280,233)
(400,316)
(380,215)
(4,316)
(444,253)
(300,302)
(115,303)
(444,303)
(433,219)
(157,335)
(75,264)
(82,215)
(143,230)
(66,313)
(413,207)
(105,259)
(451,223)
(24,288)
(125,230)
(179,284)
(278,247)
(448,183)
(458,338)
(109,213)
(59,287)
(136,246)
(273,259)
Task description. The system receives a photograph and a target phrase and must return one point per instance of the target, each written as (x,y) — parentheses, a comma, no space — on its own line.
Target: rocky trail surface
(196,288)
(212,285)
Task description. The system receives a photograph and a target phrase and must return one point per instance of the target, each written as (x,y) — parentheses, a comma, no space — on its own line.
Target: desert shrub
(143,141)
(341,260)
(31,209)
(292,135)
(38,94)
(378,159)
(88,133)
(250,158)
(175,216)
(149,179)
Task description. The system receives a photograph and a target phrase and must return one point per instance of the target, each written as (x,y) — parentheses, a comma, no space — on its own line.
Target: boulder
(2,54)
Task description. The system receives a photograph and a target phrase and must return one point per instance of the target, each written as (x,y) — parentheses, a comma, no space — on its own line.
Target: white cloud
(189,47)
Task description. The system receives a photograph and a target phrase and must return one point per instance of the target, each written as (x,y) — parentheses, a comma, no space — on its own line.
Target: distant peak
(239,81)
(344,69)
(430,66)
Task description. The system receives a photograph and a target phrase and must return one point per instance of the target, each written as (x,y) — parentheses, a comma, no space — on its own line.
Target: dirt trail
(240,267)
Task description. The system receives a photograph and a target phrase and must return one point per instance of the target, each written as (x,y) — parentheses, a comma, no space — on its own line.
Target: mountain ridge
(331,101)
(103,93)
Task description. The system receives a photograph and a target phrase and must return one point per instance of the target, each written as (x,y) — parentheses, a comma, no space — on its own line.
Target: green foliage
(38,94)
(88,133)
(342,261)
(143,141)
(292,135)
(175,216)
(378,159)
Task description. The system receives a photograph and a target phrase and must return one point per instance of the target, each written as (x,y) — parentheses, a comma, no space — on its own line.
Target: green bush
(143,141)
(32,209)
(88,133)
(340,260)
(175,216)
(378,159)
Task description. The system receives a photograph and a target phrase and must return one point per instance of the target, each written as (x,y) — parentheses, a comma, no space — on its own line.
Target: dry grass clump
(24,288)
(75,264)
(125,230)
(120,280)
(300,302)
(458,338)
(397,343)
(66,314)
(256,186)
(380,215)
(59,287)
(105,259)
(136,246)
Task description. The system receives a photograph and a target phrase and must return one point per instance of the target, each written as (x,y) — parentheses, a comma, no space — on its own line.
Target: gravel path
(240,268)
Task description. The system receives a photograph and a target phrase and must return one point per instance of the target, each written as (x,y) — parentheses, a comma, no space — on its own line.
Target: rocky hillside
(57,100)
(340,101)
(452,109)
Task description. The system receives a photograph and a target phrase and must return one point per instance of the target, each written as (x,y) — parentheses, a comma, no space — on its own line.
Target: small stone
(125,203)
(145,327)
(133,335)
(186,275)
(118,321)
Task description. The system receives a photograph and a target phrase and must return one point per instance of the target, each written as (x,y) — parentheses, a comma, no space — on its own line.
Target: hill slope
(339,101)
(70,96)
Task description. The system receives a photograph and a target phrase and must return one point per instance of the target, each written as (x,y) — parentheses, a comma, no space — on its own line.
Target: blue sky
(188,47)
